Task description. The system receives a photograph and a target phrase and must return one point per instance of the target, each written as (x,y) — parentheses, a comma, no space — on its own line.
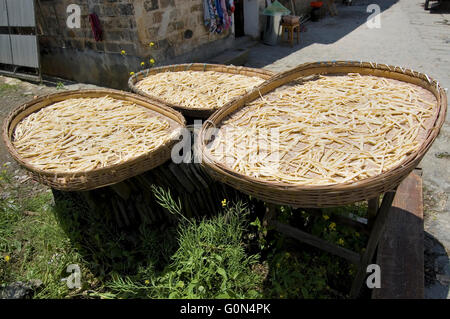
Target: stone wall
(176,28)
(116,18)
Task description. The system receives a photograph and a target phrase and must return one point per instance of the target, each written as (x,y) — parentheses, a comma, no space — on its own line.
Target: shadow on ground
(325,31)
(121,226)
(293,269)
(437,269)
(105,243)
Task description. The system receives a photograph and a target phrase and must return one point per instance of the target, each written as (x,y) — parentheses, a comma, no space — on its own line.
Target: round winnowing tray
(81,140)
(203,87)
(228,156)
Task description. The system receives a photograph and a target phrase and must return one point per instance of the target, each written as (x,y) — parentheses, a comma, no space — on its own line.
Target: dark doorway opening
(239,18)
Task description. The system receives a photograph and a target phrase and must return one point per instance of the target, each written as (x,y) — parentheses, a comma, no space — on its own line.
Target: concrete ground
(410,37)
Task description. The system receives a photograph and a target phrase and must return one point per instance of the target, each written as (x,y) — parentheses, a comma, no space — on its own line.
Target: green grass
(221,257)
(60,86)
(4,88)
(36,246)
(210,262)
(32,246)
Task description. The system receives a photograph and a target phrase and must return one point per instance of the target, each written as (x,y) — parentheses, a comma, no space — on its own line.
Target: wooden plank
(372,210)
(316,242)
(358,223)
(182,178)
(122,190)
(375,235)
(268,219)
(185,168)
(400,252)
(193,170)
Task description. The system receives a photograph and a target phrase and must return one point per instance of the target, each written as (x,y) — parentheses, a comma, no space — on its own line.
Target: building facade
(133,32)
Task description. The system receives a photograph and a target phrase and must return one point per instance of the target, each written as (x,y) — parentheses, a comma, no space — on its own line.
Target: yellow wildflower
(142,63)
(152,44)
(341,242)
(326,217)
(332,226)
(131,73)
(152,61)
(7,258)
(224,202)
(123,52)
(147,282)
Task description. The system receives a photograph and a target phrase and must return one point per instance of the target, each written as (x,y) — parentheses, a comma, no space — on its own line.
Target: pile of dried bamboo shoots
(198,89)
(81,134)
(328,130)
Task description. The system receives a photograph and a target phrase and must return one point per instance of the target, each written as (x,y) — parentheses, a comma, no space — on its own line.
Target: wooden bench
(400,251)
(395,229)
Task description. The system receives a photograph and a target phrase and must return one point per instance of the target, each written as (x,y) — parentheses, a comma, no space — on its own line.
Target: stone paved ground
(410,37)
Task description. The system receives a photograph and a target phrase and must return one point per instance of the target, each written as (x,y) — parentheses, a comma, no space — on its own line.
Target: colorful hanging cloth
(217,14)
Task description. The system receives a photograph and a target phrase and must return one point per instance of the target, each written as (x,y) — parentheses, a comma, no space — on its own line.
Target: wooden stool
(291,29)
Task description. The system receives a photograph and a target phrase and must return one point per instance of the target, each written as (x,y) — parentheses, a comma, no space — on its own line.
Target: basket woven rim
(7,130)
(326,67)
(262,73)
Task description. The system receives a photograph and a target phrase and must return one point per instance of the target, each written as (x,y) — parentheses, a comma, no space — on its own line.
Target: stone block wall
(175,26)
(116,18)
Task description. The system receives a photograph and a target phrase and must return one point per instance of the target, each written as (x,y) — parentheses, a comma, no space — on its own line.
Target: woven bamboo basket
(324,195)
(132,202)
(91,179)
(194,112)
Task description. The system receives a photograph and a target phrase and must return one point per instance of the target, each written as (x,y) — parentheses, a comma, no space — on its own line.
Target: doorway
(239,18)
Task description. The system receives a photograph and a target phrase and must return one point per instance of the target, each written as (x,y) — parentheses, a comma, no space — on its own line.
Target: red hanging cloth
(95,26)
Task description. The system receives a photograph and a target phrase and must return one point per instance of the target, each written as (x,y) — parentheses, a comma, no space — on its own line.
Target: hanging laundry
(231,3)
(226,15)
(208,15)
(220,22)
(217,14)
